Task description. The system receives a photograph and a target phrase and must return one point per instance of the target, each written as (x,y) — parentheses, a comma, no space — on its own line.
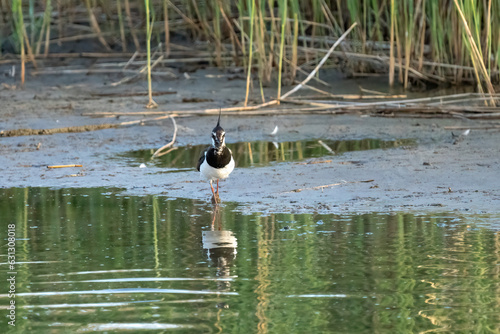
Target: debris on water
(460,137)
(326,146)
(143,165)
(275,131)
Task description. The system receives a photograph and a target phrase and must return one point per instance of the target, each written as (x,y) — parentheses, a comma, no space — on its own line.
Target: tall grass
(17,14)
(415,41)
(149,33)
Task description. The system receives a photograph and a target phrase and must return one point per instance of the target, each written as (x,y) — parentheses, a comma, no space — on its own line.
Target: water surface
(93,260)
(262,153)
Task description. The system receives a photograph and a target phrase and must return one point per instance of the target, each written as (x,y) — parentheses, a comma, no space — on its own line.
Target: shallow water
(262,153)
(93,260)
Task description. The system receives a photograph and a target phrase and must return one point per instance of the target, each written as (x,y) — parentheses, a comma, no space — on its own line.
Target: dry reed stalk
(121,25)
(392,40)
(131,26)
(188,20)
(250,53)
(59,22)
(234,36)
(167,28)
(20,32)
(306,80)
(95,26)
(476,55)
(294,47)
(28,47)
(149,31)
(45,27)
(282,44)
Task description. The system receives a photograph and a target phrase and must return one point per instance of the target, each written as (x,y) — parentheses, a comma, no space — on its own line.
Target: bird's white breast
(211,173)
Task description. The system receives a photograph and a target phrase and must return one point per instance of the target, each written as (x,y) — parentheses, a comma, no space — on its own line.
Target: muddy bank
(433,175)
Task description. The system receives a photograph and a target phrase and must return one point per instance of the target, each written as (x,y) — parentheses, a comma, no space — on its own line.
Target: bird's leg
(215,197)
(211,186)
(217,187)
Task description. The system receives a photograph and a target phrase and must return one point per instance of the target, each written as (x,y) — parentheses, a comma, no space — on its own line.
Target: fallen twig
(157,153)
(325,186)
(315,162)
(64,166)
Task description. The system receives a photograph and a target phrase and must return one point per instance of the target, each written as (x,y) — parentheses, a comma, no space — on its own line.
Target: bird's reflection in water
(220,246)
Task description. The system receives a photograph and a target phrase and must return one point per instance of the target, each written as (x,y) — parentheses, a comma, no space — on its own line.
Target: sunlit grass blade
(17,8)
(283,15)
(250,49)
(476,57)
(149,31)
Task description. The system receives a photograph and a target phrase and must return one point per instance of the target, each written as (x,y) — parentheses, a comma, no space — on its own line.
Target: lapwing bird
(216,162)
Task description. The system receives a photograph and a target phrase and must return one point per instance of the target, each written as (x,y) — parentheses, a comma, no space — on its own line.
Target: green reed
(419,41)
(149,32)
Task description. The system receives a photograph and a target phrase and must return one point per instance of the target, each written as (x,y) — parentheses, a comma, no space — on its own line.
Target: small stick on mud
(157,153)
(325,186)
(315,162)
(64,166)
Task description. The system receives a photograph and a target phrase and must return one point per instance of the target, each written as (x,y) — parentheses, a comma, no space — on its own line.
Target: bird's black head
(218,135)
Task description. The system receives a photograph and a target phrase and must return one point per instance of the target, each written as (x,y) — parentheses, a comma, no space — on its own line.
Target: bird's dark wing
(201,159)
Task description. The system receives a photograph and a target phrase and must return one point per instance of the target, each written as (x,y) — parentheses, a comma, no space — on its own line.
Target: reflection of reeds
(415,41)
(263,153)
(419,271)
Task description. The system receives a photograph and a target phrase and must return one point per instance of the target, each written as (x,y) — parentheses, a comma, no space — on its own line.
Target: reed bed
(413,42)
